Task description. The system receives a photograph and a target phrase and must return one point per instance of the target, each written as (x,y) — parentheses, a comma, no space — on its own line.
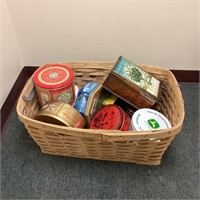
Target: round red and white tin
(54,82)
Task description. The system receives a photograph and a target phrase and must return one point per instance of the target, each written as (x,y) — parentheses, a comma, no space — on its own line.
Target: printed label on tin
(44,95)
(73,117)
(49,107)
(96,105)
(136,75)
(153,123)
(66,97)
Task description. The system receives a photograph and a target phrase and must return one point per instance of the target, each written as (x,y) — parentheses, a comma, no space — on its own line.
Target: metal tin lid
(108,117)
(53,76)
(149,119)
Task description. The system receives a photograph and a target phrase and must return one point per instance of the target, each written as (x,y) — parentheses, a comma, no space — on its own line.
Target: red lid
(126,123)
(108,117)
(53,76)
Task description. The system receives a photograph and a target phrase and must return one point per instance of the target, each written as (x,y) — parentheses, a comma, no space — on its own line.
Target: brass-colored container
(60,113)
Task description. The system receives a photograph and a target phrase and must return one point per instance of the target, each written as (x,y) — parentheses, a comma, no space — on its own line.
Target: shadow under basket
(145,147)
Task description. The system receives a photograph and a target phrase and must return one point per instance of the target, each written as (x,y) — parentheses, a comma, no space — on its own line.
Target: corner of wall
(11,59)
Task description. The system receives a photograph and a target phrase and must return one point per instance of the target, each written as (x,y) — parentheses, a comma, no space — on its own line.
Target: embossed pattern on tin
(54,82)
(53,77)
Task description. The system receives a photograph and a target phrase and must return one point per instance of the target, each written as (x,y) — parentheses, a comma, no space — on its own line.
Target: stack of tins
(56,94)
(97,106)
(100,106)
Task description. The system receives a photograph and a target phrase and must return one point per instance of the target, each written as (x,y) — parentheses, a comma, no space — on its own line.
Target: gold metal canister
(60,113)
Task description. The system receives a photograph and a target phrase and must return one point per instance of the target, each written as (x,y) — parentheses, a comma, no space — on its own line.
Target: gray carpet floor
(26,173)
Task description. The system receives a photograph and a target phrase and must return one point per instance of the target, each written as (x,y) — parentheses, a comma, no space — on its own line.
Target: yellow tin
(110,100)
(60,113)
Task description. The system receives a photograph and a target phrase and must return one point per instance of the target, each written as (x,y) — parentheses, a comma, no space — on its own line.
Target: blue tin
(83,95)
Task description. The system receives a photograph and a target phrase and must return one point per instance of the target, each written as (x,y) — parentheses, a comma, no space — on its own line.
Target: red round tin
(126,122)
(108,117)
(54,82)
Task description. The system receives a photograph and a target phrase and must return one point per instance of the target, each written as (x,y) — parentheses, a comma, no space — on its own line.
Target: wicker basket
(146,147)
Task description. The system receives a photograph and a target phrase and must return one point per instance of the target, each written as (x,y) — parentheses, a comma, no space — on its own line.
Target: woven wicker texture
(146,147)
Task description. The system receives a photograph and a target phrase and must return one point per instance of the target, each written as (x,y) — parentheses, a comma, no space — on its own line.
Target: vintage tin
(94,103)
(132,84)
(83,95)
(54,82)
(149,119)
(126,122)
(90,99)
(60,113)
(108,117)
(110,100)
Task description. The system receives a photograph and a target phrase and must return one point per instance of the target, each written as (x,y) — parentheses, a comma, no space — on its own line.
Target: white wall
(159,32)
(10,59)
(152,32)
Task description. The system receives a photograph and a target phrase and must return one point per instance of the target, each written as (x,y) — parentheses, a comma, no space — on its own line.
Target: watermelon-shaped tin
(54,82)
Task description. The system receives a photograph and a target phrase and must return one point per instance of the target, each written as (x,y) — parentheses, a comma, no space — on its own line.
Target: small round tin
(149,119)
(60,113)
(54,82)
(108,117)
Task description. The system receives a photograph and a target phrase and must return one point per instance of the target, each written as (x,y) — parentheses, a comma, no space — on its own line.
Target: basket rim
(101,131)
(112,63)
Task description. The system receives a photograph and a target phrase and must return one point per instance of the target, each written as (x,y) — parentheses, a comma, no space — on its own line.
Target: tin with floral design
(132,84)
(54,82)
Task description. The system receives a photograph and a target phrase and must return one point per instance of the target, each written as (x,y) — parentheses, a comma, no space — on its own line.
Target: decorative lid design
(108,117)
(52,76)
(149,119)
